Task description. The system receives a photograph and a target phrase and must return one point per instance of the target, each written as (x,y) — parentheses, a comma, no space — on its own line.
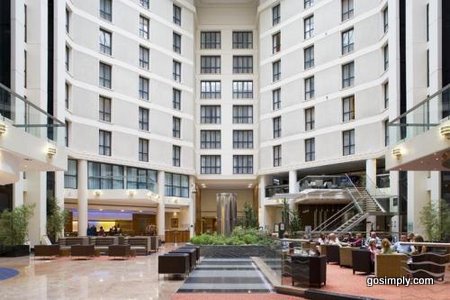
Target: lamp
(51,151)
(397,152)
(445,131)
(131,193)
(2,129)
(97,193)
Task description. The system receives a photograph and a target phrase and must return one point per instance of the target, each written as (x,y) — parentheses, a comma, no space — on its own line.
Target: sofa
(101,244)
(122,251)
(429,265)
(82,251)
(173,263)
(66,243)
(46,250)
(391,265)
(140,244)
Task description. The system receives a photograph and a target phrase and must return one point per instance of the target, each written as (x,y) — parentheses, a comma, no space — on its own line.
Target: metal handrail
(341,212)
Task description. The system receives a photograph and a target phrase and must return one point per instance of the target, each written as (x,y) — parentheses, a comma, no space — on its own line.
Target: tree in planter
(56,218)
(295,223)
(435,217)
(14,225)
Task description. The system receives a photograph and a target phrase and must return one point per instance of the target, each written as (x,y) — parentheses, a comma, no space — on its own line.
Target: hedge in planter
(14,231)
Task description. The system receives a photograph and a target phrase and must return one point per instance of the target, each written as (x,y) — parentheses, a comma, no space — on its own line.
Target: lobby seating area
(180,261)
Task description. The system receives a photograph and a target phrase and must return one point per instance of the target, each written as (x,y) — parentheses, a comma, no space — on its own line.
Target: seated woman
(358,241)
(419,249)
(386,247)
(322,239)
(334,240)
(372,247)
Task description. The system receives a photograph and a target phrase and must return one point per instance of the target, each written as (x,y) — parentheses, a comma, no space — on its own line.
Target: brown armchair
(122,251)
(173,263)
(332,253)
(345,256)
(390,265)
(82,251)
(362,261)
(46,250)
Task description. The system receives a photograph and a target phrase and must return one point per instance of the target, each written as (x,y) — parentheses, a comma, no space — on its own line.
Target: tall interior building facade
(168,103)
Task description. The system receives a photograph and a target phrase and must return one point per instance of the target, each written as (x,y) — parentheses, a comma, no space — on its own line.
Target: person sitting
(101,232)
(322,239)
(334,240)
(411,237)
(386,247)
(358,242)
(373,249)
(373,235)
(419,249)
(406,249)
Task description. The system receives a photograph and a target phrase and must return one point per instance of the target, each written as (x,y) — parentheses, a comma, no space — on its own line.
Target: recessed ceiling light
(122,210)
(101,209)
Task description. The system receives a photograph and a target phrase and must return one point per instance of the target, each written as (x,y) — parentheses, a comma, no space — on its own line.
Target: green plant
(14,225)
(56,218)
(249,220)
(239,236)
(435,217)
(295,224)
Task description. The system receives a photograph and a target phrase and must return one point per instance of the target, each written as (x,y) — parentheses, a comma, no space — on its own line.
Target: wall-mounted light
(131,193)
(445,131)
(397,152)
(2,128)
(51,151)
(97,193)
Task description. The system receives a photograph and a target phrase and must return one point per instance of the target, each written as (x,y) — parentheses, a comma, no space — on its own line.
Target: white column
(59,191)
(292,187)
(82,197)
(371,175)
(18,191)
(161,218)
(37,196)
(418,196)
(192,206)
(261,202)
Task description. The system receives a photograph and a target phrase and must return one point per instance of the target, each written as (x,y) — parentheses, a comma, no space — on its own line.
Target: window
(348,140)
(105,176)
(386,94)
(242,114)
(348,108)
(210,64)
(386,132)
(309,88)
(145,3)
(276,42)
(144,57)
(276,155)
(104,109)
(25,69)
(428,68)
(348,75)
(67,133)
(242,164)
(210,164)
(70,176)
(386,57)
(104,144)
(242,39)
(242,139)
(105,40)
(176,185)
(141,179)
(144,87)
(176,71)
(427,21)
(310,149)
(176,42)
(276,15)
(176,99)
(144,27)
(105,75)
(347,41)
(308,57)
(177,14)
(309,119)
(386,20)
(308,3)
(210,40)
(210,114)
(143,119)
(242,89)
(308,27)
(67,61)
(210,90)
(176,127)
(347,9)
(68,15)
(276,70)
(106,9)
(143,150)
(243,64)
(276,99)
(210,139)
(67,95)
(176,156)
(276,122)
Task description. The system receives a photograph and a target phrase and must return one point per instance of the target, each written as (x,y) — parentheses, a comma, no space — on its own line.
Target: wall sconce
(175,201)
(51,151)
(397,152)
(2,129)
(131,193)
(445,131)
(97,193)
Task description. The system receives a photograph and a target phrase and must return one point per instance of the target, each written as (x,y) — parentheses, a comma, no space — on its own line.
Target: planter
(14,251)
(230,251)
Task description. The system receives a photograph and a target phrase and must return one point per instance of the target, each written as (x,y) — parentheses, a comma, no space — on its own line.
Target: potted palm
(435,218)
(56,218)
(14,231)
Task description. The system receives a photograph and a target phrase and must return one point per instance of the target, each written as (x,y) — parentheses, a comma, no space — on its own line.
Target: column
(82,197)
(292,187)
(418,196)
(59,191)
(161,218)
(371,179)
(37,196)
(261,204)
(18,191)
(192,206)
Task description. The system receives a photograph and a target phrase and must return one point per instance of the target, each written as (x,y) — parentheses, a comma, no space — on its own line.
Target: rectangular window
(104,109)
(348,108)
(67,95)
(105,41)
(308,54)
(68,15)
(106,9)
(243,64)
(210,164)
(242,164)
(176,99)
(141,179)
(210,89)
(210,114)
(242,40)
(70,176)
(144,57)
(242,114)
(242,89)
(386,57)
(176,127)
(105,75)
(242,139)
(386,94)
(385,20)
(347,9)
(210,64)
(176,156)
(347,41)
(67,132)
(276,155)
(276,42)
(143,119)
(105,176)
(276,17)
(176,43)
(309,119)
(348,75)
(67,61)
(144,27)
(309,88)
(386,132)
(428,68)
(276,70)
(210,40)
(144,88)
(308,27)
(145,3)
(176,185)
(310,149)
(176,71)
(143,150)
(308,3)
(177,14)
(348,141)
(25,68)
(428,22)
(276,99)
(276,122)
(210,139)
(104,143)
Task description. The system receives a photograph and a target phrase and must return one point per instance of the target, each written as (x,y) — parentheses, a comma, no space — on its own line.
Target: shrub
(239,236)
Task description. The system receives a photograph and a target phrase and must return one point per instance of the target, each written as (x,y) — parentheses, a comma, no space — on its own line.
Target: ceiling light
(101,209)
(445,131)
(122,210)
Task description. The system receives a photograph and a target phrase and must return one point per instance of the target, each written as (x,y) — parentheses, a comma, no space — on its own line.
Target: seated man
(406,249)
(373,236)
(358,241)
(333,240)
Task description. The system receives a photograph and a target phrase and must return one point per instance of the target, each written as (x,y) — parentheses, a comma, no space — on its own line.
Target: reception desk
(179,236)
